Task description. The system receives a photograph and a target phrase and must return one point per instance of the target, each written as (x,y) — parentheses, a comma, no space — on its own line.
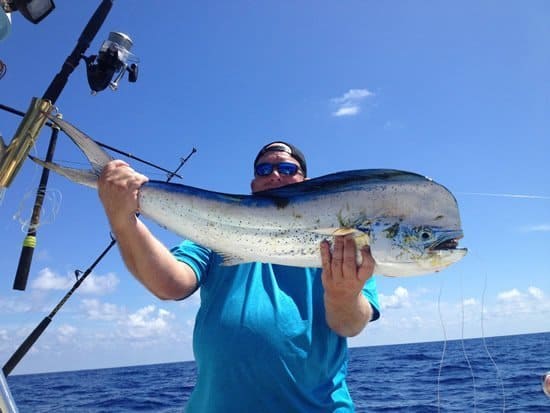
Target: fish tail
(97,157)
(80,176)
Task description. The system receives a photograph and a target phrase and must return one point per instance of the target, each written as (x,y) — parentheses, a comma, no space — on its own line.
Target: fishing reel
(113,60)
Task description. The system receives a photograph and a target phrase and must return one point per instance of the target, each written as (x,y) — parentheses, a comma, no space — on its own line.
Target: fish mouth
(448,242)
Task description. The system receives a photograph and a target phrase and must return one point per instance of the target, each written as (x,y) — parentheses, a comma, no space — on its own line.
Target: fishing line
(462,340)
(81,276)
(501,195)
(48,213)
(444,346)
(499,376)
(500,380)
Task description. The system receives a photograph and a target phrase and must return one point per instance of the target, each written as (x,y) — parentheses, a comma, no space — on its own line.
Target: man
(267,338)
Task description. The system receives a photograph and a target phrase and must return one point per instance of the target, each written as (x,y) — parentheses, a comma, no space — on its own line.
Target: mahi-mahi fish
(410,222)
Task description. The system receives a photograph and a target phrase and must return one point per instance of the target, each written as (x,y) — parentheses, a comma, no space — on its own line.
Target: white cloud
(4,339)
(469,302)
(353,95)
(99,284)
(537,228)
(535,293)
(514,301)
(147,322)
(49,280)
(14,305)
(399,299)
(96,310)
(347,111)
(516,295)
(349,104)
(93,284)
(65,333)
(513,294)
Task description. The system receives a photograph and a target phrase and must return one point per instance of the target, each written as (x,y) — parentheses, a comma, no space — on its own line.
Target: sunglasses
(284,168)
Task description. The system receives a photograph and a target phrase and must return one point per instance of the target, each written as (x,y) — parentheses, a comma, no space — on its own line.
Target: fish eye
(425,235)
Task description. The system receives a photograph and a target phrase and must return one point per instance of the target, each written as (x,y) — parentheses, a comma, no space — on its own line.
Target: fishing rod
(80,277)
(103,145)
(52,93)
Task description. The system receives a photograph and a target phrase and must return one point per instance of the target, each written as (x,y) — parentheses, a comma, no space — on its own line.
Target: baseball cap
(281,146)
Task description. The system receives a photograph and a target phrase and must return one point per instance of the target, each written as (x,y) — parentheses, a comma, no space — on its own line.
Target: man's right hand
(118,188)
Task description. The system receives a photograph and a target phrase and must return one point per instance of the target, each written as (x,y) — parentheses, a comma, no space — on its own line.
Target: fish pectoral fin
(88,178)
(361,238)
(335,232)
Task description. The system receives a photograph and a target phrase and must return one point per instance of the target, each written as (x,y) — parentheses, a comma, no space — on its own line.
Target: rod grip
(25,346)
(24,266)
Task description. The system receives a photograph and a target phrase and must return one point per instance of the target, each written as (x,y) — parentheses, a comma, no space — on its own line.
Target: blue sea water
(498,374)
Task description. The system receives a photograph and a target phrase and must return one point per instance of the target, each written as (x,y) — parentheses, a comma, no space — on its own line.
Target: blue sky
(458,92)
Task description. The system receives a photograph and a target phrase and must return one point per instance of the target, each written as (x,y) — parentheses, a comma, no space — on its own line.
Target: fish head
(401,249)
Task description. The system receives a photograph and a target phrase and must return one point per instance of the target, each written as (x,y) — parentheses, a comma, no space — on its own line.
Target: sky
(459,92)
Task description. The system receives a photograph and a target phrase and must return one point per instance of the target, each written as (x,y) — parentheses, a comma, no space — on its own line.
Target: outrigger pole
(40,328)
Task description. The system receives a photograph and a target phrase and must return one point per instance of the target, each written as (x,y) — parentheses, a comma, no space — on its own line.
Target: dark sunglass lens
(264,169)
(287,168)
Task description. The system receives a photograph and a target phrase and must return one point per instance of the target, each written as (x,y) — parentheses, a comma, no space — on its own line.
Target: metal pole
(37,332)
(29,243)
(40,328)
(51,94)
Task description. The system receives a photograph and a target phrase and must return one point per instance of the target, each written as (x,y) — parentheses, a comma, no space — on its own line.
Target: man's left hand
(342,278)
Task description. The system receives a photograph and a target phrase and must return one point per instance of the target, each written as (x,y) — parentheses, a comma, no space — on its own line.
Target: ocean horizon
(492,374)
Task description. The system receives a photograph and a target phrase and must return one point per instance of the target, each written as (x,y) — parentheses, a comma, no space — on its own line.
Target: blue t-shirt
(261,341)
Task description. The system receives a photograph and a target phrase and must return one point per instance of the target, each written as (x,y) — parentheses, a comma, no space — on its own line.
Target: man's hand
(118,188)
(347,309)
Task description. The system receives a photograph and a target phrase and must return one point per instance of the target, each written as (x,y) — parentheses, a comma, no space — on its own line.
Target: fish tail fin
(80,176)
(97,157)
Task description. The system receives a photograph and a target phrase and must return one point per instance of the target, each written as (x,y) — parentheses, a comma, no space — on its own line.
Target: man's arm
(347,310)
(144,255)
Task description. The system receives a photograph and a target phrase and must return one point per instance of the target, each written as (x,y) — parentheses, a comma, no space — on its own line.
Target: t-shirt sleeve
(197,257)
(370,291)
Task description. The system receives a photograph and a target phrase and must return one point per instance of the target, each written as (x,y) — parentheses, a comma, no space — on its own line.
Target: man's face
(275,179)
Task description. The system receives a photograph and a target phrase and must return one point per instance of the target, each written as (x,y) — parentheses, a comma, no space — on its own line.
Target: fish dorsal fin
(341,181)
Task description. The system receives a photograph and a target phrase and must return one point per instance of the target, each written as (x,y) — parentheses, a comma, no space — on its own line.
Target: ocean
(498,374)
